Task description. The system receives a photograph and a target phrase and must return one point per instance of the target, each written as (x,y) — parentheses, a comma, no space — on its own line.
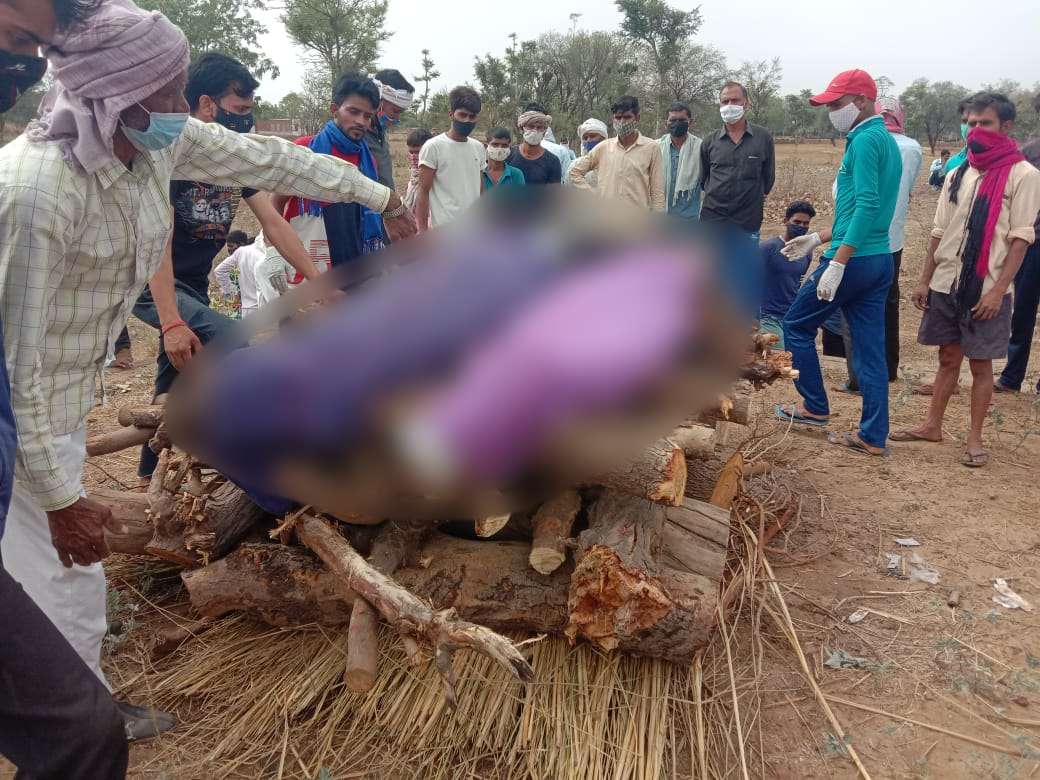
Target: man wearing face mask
(56,718)
(450,164)
(591,132)
(395,97)
(88,185)
(681,158)
(738,166)
(629,165)
(856,271)
(783,277)
(538,165)
(220,89)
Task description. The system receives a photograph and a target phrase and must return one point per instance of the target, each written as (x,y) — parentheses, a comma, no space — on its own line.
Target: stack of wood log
(633,564)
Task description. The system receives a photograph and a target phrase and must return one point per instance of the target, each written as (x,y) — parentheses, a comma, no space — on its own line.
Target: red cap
(849,82)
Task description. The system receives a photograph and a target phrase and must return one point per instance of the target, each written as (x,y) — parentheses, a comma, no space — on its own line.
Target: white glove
(829,281)
(797,248)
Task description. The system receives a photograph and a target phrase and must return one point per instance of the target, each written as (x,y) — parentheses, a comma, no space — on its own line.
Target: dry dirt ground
(972,670)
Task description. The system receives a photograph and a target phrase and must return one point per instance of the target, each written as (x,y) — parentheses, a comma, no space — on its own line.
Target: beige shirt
(76,250)
(1018,214)
(635,174)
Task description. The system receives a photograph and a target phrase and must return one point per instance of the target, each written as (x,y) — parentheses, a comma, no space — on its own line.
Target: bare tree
(429,73)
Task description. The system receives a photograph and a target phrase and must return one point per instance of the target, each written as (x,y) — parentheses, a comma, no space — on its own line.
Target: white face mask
(731,114)
(498,153)
(844,117)
(534,137)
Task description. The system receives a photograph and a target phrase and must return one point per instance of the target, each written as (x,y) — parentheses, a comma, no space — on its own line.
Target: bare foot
(123,360)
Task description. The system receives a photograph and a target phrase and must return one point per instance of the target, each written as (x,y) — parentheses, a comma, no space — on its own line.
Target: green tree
(662,30)
(339,35)
(761,79)
(429,73)
(227,26)
(495,90)
(800,118)
(931,109)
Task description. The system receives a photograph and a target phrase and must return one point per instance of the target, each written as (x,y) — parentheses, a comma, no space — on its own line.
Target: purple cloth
(589,344)
(120,57)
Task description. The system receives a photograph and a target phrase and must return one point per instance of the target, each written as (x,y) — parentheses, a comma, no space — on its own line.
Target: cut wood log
(170,638)
(117,440)
(697,441)
(764,369)
(695,538)
(141,416)
(130,510)
(394,544)
(403,610)
(552,527)
(193,530)
(658,475)
(728,485)
(743,407)
(487,582)
(282,586)
(486,527)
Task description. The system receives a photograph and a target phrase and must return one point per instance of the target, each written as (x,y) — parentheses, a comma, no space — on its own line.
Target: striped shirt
(76,250)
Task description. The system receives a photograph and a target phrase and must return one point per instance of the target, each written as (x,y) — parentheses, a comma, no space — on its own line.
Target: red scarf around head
(992,154)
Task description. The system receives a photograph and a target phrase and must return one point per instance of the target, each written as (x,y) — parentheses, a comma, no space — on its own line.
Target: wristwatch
(401,209)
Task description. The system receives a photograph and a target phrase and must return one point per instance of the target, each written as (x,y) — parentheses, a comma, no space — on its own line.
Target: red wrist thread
(173,326)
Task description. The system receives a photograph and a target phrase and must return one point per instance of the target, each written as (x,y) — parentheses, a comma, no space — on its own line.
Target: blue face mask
(587,145)
(386,120)
(163,131)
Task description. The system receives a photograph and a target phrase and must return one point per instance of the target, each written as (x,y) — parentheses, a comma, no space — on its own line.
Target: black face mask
(793,231)
(679,128)
(462,128)
(18,74)
(240,123)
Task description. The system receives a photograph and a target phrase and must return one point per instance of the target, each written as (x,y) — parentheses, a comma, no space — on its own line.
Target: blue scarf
(324,142)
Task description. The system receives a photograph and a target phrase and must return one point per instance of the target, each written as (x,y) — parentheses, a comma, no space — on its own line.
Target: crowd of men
(118,198)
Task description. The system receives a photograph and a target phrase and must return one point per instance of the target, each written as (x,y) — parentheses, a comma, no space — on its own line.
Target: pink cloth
(994,154)
(590,344)
(121,56)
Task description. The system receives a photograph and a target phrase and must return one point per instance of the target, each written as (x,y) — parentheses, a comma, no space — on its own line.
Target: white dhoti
(73,599)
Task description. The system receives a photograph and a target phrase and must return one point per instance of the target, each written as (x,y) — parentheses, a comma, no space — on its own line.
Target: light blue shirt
(688,204)
(913,158)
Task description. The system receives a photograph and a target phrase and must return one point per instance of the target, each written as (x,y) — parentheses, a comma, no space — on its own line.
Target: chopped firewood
(658,475)
(441,629)
(552,527)
(489,526)
(117,440)
(141,416)
(740,406)
(729,482)
(130,511)
(696,441)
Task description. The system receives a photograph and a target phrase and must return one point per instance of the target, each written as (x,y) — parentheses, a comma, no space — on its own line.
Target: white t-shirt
(456,186)
(245,259)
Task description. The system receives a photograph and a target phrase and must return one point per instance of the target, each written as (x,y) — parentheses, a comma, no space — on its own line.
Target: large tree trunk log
(282,586)
(489,583)
(697,441)
(658,475)
(141,416)
(620,597)
(552,526)
(741,407)
(117,440)
(193,530)
(695,539)
(409,614)
(131,511)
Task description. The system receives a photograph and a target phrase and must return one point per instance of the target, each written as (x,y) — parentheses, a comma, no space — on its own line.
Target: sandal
(907,435)
(789,413)
(853,443)
(929,389)
(974,460)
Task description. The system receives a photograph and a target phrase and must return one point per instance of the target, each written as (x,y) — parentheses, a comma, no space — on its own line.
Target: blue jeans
(861,296)
(204,322)
(1023,320)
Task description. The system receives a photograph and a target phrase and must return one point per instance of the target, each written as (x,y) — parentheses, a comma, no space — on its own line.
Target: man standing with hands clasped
(856,271)
(984,223)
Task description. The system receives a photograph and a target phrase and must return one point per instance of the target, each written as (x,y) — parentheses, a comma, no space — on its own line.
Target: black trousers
(57,721)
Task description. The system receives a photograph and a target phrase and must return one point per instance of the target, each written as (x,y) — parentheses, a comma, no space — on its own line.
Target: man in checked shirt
(84,221)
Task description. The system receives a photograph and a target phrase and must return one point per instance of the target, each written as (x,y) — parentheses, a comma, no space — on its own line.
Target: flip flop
(929,389)
(908,435)
(789,413)
(849,441)
(999,388)
(974,460)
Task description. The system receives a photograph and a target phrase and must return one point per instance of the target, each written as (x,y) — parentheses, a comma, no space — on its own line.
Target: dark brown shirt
(737,177)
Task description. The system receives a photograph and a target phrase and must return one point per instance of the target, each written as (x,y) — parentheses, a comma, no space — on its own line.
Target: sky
(901,39)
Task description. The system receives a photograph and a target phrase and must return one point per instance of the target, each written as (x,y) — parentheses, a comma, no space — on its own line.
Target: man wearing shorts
(983,226)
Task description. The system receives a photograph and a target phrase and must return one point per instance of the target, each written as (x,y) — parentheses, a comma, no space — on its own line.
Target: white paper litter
(895,562)
(908,542)
(921,571)
(858,616)
(1008,598)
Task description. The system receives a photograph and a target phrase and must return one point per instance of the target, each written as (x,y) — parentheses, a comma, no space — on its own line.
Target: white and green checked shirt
(76,250)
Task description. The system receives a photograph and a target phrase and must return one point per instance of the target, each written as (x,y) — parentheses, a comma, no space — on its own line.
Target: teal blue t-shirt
(511,175)
(868,186)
